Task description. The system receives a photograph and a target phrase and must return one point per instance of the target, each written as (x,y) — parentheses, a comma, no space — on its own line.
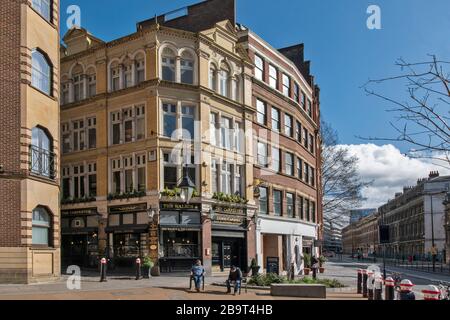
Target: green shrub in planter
(148,265)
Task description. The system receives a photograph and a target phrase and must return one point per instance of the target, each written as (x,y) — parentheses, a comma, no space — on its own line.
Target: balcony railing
(42,162)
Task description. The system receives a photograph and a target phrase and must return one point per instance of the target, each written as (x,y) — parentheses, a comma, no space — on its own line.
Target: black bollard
(103,270)
(138,269)
(365,293)
(389,293)
(359,282)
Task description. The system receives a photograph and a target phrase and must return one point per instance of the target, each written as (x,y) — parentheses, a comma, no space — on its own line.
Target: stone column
(133,73)
(178,69)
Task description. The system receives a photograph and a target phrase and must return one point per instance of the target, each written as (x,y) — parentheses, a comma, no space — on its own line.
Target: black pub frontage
(180,236)
(127,235)
(229,237)
(80,237)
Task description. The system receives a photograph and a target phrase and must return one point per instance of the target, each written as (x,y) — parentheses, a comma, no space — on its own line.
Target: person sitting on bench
(197,273)
(236,277)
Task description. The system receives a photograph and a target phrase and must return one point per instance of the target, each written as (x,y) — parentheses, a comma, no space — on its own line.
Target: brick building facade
(29,182)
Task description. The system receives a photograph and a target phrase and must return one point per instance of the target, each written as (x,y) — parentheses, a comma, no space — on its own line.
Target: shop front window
(181,244)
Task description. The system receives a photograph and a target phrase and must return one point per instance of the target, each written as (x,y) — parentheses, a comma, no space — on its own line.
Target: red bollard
(389,289)
(432,293)
(406,292)
(103,270)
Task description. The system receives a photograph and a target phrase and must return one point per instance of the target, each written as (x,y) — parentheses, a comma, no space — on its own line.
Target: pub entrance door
(228,252)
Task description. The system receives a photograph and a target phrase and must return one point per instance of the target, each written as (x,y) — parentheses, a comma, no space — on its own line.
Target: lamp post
(187,188)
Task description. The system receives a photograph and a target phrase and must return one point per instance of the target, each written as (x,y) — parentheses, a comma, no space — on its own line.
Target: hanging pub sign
(128,209)
(180,206)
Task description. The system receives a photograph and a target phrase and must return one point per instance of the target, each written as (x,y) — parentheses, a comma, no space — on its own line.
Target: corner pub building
(141,113)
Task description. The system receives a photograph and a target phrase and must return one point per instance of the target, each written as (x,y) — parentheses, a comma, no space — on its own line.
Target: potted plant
(307,264)
(254,267)
(322,261)
(148,265)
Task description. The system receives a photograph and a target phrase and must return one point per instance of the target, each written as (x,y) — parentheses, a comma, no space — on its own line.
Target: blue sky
(343,51)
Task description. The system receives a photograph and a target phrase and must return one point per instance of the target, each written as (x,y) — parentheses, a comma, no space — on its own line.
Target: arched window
(42,157)
(40,72)
(41,227)
(128,73)
(224,80)
(92,82)
(187,68)
(115,76)
(43,7)
(168,65)
(78,82)
(140,68)
(213,77)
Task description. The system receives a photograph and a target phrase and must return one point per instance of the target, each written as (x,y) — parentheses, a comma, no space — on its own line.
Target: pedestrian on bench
(235,277)
(197,274)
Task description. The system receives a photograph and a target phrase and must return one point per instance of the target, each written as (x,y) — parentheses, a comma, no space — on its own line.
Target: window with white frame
(79,182)
(305,137)
(140,69)
(213,77)
(289,163)
(290,205)
(40,72)
(286,85)
(296,92)
(214,135)
(259,70)
(288,127)
(43,7)
(226,177)
(277,203)
(275,119)
(170,172)
(128,75)
(188,122)
(263,201)
(299,169)
(262,154)
(65,137)
(92,84)
(311,143)
(65,93)
(224,76)
(92,179)
(115,76)
(214,175)
(78,135)
(298,132)
(261,109)
(92,132)
(169,119)
(187,68)
(276,158)
(309,108)
(168,64)
(128,174)
(41,227)
(226,133)
(128,124)
(239,136)
(303,100)
(78,87)
(306,173)
(66,181)
(273,76)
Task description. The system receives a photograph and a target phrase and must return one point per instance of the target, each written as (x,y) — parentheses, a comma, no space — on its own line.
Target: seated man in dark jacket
(235,277)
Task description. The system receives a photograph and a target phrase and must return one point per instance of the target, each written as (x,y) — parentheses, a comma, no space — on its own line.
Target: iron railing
(42,162)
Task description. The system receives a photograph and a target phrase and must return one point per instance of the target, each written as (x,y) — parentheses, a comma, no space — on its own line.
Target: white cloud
(390,171)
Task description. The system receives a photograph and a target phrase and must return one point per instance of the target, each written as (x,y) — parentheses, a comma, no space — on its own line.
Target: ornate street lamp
(187,188)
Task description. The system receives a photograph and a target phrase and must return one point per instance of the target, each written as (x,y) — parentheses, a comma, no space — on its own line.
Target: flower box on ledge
(126,196)
(70,201)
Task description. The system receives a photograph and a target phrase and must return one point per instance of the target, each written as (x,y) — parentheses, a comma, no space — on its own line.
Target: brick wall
(10,122)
